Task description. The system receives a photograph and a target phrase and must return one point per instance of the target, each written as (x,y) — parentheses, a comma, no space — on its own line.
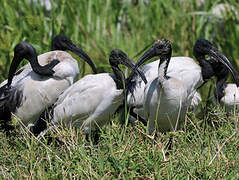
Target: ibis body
(36,92)
(179,68)
(31,90)
(185,69)
(90,102)
(166,98)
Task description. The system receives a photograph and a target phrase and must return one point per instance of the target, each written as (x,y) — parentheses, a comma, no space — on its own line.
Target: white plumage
(180,68)
(226,94)
(90,102)
(38,92)
(31,88)
(165,104)
(231,97)
(186,70)
(169,95)
(165,98)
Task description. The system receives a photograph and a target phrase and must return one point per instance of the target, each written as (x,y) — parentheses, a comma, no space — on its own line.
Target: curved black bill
(62,42)
(223,59)
(145,57)
(78,51)
(13,68)
(129,63)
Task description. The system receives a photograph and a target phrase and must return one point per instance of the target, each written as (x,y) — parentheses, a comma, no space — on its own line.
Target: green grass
(206,146)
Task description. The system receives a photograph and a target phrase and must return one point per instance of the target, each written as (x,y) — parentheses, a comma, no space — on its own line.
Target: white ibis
(90,102)
(38,85)
(166,98)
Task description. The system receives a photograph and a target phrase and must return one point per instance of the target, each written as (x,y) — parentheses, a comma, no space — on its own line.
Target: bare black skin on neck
(221,72)
(119,77)
(217,65)
(166,58)
(200,50)
(206,67)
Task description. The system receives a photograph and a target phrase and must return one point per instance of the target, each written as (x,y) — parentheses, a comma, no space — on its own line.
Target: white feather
(40,92)
(184,69)
(230,100)
(165,103)
(88,103)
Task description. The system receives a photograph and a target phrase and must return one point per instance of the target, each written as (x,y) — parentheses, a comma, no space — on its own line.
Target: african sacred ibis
(192,75)
(179,67)
(166,98)
(38,84)
(90,102)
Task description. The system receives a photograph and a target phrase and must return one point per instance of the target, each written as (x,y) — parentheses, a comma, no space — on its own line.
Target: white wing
(94,98)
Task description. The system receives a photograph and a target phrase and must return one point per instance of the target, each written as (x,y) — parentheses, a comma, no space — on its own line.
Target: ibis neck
(119,77)
(36,66)
(46,70)
(206,67)
(220,86)
(13,68)
(162,69)
(15,63)
(221,72)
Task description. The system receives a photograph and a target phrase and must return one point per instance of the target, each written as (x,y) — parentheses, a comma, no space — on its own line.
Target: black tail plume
(5,113)
(41,123)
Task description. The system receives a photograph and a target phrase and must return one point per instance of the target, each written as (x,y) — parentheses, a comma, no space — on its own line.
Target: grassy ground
(206,146)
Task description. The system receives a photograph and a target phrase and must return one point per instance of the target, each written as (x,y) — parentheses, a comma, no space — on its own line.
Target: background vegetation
(206,147)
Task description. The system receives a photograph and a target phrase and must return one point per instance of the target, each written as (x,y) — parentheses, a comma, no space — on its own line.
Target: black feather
(10,100)
(41,123)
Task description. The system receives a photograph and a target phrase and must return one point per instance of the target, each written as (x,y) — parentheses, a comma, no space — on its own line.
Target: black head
(202,47)
(119,57)
(63,43)
(161,48)
(22,50)
(218,60)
